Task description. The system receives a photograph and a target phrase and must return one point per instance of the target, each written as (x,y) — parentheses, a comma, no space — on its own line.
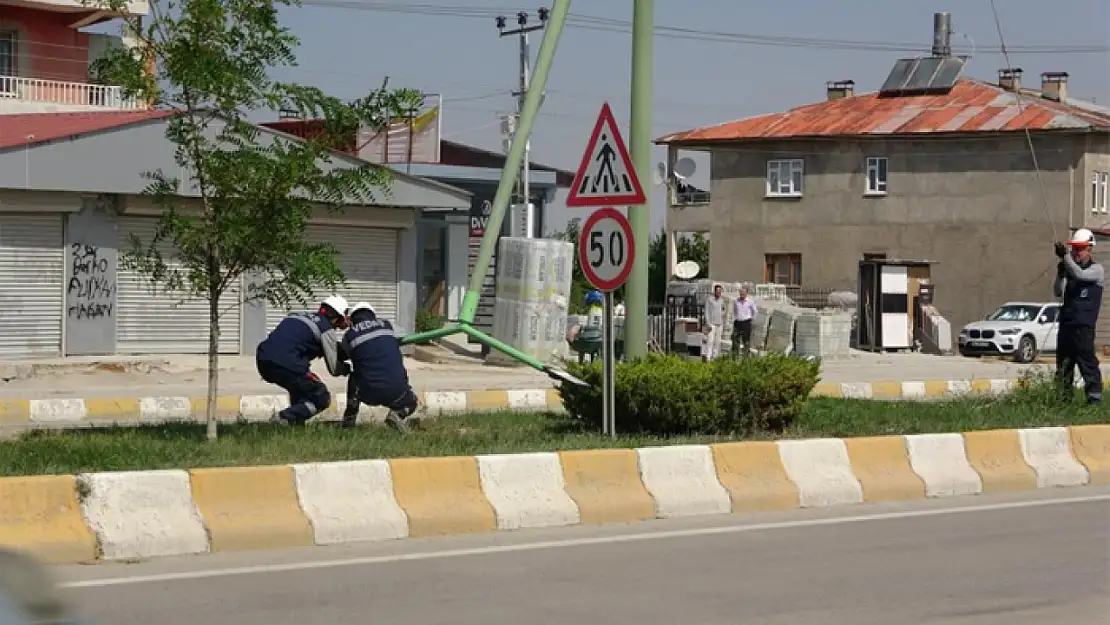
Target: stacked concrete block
(533,291)
(824,335)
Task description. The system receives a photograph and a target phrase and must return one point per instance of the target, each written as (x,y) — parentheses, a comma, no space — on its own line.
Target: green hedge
(676,395)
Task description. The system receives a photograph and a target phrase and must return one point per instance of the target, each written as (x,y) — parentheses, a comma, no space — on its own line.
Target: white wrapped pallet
(533,289)
(823,335)
(780,337)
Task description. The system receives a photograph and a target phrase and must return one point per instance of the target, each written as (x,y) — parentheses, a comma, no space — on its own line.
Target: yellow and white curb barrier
(99,411)
(138,515)
(95,411)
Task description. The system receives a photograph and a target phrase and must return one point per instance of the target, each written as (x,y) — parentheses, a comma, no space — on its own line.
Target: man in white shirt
(743,314)
(714,321)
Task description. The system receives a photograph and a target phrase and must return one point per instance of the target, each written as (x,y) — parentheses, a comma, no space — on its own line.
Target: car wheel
(1026,350)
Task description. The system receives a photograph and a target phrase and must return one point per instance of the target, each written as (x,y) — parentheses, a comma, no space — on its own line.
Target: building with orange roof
(932,166)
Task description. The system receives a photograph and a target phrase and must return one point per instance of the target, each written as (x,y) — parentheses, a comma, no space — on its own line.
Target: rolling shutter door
(160,322)
(32,276)
(368,258)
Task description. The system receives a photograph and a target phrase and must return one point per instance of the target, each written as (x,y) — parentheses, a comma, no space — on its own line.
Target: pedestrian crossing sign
(605,176)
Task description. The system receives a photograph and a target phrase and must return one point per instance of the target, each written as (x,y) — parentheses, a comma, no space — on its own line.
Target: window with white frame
(876,175)
(7,60)
(1100,191)
(784,178)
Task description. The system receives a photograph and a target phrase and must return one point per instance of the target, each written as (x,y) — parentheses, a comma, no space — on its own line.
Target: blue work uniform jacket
(376,361)
(299,339)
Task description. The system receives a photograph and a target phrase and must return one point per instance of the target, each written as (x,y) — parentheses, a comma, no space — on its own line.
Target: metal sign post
(608,369)
(605,253)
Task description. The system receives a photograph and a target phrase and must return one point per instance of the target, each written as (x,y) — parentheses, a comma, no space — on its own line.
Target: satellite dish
(685,167)
(660,174)
(687,269)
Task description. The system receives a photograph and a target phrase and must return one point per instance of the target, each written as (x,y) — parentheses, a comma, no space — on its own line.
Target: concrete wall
(91,264)
(972,205)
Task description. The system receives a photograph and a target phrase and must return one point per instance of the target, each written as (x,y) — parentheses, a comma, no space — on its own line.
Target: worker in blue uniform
(285,358)
(1079,281)
(378,376)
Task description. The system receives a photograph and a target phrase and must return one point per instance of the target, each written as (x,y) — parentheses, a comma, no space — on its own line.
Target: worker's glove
(1061,250)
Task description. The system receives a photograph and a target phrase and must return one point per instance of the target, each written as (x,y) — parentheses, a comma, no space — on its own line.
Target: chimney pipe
(1054,86)
(838,89)
(942,34)
(1010,79)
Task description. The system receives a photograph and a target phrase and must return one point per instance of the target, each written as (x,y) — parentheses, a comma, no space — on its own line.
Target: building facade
(945,175)
(45,57)
(67,213)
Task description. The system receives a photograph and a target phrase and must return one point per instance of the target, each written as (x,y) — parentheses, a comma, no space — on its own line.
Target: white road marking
(570,542)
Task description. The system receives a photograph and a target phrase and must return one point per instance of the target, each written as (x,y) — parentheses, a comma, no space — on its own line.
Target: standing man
(285,358)
(714,321)
(743,314)
(1079,281)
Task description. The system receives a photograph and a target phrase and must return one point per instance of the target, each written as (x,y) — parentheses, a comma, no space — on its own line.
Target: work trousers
(402,403)
(742,333)
(308,396)
(1076,348)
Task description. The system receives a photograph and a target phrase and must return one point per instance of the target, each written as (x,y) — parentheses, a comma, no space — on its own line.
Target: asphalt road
(1013,560)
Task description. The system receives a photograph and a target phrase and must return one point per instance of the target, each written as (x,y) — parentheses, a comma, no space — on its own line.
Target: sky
(708,73)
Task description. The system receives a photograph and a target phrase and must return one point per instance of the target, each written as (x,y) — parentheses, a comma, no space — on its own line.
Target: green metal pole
(528,112)
(636,293)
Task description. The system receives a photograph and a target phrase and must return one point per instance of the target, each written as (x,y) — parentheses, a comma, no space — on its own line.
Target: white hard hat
(361,306)
(338,303)
(1082,236)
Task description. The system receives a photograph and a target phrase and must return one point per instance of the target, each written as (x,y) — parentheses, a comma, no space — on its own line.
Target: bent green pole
(531,108)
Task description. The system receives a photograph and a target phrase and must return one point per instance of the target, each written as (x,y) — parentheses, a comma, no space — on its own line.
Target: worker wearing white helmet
(1079,281)
(378,375)
(285,358)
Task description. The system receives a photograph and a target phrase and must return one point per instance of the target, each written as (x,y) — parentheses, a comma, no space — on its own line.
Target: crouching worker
(378,375)
(286,356)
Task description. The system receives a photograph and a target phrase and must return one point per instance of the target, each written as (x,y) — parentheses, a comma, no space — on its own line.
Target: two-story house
(978,177)
(45,57)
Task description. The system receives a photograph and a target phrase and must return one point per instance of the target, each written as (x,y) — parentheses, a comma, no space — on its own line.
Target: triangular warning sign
(606,176)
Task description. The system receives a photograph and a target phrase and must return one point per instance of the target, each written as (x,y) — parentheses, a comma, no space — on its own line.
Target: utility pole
(521,31)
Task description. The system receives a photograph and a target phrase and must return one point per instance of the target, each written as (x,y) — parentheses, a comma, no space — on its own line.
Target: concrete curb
(145,514)
(106,410)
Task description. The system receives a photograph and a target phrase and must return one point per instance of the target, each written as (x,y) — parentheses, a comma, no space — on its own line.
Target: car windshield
(1015,312)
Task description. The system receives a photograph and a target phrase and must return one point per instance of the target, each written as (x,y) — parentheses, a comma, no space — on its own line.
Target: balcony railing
(69,95)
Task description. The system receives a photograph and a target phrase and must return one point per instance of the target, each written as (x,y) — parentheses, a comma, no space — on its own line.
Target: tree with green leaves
(239,205)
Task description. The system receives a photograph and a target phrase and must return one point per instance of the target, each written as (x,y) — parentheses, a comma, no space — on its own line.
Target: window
(783,269)
(7,61)
(876,175)
(784,178)
(1100,191)
(1050,313)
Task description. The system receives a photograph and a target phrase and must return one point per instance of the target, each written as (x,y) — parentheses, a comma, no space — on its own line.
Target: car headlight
(1010,331)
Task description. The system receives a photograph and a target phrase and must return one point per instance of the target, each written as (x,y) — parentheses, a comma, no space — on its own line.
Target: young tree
(209,63)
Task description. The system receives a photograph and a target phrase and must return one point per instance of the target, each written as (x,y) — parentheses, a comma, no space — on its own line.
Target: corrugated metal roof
(31,128)
(971,106)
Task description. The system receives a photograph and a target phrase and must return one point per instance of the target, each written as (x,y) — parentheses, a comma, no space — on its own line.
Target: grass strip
(183,446)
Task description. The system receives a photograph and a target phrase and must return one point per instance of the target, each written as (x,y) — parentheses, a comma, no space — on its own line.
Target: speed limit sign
(606,249)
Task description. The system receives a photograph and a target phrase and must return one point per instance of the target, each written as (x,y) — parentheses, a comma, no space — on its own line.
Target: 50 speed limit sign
(606,249)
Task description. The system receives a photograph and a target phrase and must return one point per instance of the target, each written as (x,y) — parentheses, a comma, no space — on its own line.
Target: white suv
(1018,329)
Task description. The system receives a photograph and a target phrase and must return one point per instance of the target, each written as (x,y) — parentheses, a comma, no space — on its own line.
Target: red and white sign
(606,249)
(606,176)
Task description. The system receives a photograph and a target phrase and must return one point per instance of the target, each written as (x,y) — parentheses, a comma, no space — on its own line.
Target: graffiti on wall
(92,283)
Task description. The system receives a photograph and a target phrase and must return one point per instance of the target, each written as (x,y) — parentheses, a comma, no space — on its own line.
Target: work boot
(350,420)
(397,422)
